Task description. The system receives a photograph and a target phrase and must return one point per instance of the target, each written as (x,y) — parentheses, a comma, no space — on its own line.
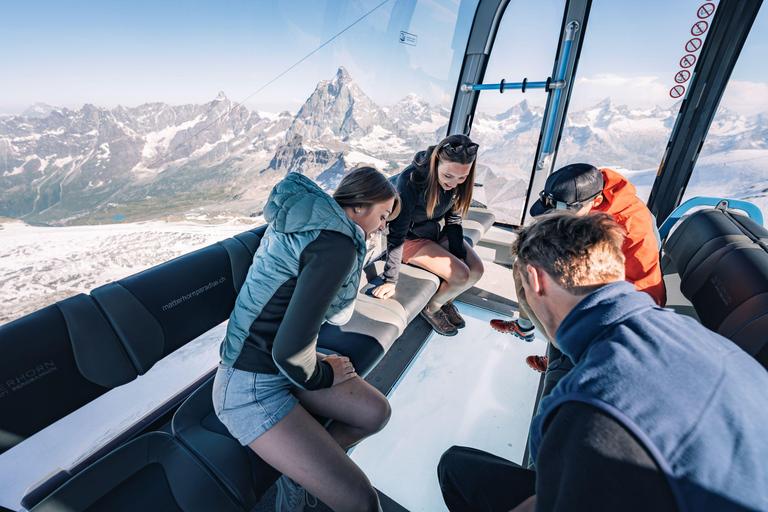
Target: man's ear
(597,201)
(536,280)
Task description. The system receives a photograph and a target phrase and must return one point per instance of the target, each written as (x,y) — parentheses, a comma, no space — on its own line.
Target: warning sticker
(682,76)
(677,91)
(687,61)
(693,45)
(409,39)
(699,28)
(706,10)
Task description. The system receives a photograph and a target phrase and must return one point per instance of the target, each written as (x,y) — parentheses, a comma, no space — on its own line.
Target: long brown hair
(365,186)
(442,153)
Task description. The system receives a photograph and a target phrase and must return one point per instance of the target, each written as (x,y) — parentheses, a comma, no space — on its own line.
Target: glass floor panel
(473,389)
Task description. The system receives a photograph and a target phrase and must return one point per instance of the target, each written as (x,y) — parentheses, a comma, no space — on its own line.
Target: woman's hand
(384,291)
(342,368)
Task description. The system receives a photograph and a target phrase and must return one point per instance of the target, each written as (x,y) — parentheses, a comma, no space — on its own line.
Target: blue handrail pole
(511,85)
(549,132)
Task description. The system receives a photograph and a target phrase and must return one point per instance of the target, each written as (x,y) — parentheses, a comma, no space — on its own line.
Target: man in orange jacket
(585,188)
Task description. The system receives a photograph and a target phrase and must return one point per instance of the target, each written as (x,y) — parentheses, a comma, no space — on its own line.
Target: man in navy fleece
(658,413)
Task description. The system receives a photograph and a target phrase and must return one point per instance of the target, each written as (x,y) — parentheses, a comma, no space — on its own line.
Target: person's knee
(366,498)
(476,272)
(380,414)
(459,275)
(451,459)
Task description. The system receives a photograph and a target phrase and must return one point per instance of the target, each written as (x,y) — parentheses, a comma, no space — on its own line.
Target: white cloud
(746,97)
(635,92)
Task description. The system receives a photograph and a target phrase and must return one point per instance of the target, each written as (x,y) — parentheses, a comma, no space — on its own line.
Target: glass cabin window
(136,132)
(507,126)
(733,162)
(197,122)
(622,108)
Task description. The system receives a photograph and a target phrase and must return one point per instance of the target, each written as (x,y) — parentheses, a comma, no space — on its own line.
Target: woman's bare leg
(358,409)
(301,449)
(456,275)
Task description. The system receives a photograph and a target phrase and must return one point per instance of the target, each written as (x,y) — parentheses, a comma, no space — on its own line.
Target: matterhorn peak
(221,96)
(343,75)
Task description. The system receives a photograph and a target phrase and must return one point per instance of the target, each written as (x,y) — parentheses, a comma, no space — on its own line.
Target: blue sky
(130,52)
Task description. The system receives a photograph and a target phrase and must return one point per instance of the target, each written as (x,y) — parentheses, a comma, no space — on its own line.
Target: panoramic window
(175,114)
(507,126)
(734,157)
(136,132)
(628,88)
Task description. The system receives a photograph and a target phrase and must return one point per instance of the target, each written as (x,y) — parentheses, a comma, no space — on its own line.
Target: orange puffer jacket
(640,248)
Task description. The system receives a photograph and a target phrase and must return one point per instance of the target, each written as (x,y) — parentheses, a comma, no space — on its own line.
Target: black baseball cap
(573,185)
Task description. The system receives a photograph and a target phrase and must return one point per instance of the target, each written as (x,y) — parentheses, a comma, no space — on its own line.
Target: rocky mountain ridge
(92,165)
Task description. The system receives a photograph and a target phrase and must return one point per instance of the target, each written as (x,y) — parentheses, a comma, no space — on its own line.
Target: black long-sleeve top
(287,326)
(413,221)
(589,461)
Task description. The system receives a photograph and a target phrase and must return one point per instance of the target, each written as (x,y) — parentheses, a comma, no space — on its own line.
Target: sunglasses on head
(457,148)
(548,200)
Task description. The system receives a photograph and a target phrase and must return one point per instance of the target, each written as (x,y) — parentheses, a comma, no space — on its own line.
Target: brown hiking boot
(453,315)
(439,322)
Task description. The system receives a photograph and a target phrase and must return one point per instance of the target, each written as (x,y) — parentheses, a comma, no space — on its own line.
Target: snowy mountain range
(91,165)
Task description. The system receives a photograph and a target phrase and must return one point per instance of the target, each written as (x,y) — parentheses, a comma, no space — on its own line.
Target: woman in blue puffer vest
(271,380)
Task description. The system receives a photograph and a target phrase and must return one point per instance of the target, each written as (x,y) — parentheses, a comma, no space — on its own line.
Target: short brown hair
(579,252)
(365,186)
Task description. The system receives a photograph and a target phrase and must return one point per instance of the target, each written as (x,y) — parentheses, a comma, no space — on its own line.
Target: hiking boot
(538,363)
(291,497)
(512,327)
(439,322)
(453,315)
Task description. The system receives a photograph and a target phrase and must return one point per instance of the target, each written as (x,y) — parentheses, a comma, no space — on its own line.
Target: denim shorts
(248,403)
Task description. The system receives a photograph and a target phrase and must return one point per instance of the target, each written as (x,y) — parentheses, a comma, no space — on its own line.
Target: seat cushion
(239,469)
(54,361)
(153,472)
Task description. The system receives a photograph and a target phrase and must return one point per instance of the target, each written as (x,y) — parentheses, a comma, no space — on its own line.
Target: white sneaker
(291,497)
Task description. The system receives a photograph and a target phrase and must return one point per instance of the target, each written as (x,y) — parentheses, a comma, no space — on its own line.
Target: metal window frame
(729,29)
(479,47)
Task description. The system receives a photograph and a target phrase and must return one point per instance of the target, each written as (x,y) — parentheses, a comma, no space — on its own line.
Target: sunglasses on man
(549,201)
(456,148)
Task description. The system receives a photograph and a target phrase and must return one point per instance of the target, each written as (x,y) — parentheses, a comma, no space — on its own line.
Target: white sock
(524,324)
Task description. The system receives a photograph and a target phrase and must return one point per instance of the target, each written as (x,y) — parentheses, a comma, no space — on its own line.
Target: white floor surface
(473,389)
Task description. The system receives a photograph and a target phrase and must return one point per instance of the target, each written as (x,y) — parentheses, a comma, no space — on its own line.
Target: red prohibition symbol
(687,61)
(693,45)
(677,91)
(682,76)
(706,10)
(699,28)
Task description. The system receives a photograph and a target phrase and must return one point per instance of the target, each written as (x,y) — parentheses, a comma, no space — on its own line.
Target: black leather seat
(722,260)
(153,472)
(240,470)
(163,308)
(55,361)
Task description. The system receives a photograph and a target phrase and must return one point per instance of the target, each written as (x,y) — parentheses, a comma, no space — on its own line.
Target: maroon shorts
(412,246)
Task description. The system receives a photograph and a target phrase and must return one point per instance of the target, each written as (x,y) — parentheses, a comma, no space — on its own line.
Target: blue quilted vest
(297,211)
(696,401)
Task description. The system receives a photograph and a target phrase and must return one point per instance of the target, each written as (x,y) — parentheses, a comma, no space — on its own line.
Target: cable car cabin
(128,231)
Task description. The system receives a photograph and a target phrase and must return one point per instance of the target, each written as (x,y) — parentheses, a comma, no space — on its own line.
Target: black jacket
(413,221)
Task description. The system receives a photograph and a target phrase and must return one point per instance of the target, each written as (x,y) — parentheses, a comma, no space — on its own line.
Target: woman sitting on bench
(271,380)
(436,186)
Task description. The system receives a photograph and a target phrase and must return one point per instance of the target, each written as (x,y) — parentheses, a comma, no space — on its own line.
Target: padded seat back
(240,470)
(161,309)
(153,472)
(54,361)
(722,259)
